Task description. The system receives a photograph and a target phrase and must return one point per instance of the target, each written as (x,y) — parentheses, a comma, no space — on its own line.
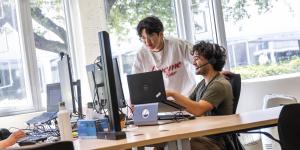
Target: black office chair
(62,145)
(288,127)
(235,81)
(232,142)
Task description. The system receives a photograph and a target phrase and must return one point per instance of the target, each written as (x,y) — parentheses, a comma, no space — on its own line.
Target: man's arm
(193,107)
(12,139)
(137,65)
(187,48)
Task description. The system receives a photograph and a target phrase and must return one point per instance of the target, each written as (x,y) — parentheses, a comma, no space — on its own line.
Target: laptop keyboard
(175,117)
(31,139)
(173,104)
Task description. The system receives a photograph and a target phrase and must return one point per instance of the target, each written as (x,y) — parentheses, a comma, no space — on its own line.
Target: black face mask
(4,133)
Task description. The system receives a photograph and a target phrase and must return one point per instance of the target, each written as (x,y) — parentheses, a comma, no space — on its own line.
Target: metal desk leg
(172,145)
(183,144)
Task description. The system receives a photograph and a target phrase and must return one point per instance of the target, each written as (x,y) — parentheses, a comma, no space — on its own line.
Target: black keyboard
(175,117)
(43,118)
(173,104)
(31,139)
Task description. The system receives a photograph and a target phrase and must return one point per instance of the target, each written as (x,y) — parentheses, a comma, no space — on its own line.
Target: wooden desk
(201,126)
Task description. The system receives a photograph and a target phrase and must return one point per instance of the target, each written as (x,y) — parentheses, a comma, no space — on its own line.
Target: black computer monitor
(96,81)
(118,82)
(67,86)
(110,89)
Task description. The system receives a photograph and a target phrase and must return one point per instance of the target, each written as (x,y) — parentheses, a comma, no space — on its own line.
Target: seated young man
(212,96)
(12,139)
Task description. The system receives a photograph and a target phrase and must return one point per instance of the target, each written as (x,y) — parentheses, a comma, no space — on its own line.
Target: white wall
(88,18)
(253,92)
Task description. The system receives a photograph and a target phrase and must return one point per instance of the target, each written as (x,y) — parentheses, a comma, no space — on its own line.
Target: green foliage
(256,71)
(264,5)
(52,9)
(237,9)
(125,15)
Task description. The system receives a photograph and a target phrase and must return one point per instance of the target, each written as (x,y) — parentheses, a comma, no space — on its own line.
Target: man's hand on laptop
(169,94)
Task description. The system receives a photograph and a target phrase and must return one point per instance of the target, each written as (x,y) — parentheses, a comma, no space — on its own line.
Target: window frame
(29,60)
(29,63)
(185,23)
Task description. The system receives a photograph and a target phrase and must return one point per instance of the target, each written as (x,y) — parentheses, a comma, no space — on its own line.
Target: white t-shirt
(175,61)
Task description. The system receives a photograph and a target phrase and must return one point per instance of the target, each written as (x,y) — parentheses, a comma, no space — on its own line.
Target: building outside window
(13,72)
(263,37)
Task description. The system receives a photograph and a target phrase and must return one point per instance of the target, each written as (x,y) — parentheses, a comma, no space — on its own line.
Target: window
(262,37)
(202,20)
(50,36)
(14,90)
(32,33)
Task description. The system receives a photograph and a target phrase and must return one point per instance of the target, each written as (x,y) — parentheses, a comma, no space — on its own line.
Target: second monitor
(97,86)
(69,95)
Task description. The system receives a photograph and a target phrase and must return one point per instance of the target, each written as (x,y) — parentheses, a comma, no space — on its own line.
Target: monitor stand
(79,101)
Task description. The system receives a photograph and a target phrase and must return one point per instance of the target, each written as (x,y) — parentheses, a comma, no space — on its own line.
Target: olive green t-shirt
(218,93)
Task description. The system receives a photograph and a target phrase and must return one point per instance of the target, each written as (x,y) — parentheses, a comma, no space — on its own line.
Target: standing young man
(212,96)
(170,55)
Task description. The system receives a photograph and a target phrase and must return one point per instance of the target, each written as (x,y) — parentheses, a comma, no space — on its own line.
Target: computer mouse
(192,117)
(4,133)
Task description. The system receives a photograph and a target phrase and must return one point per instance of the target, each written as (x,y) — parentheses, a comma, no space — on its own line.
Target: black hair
(152,24)
(214,53)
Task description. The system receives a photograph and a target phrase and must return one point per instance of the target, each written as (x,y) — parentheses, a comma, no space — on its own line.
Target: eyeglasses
(149,36)
(196,58)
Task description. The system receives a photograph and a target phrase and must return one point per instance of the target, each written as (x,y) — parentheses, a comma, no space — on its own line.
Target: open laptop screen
(146,87)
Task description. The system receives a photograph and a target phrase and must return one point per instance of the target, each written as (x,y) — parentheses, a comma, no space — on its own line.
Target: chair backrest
(62,145)
(235,81)
(288,127)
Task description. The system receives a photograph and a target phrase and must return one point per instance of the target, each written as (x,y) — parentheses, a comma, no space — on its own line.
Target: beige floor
(254,146)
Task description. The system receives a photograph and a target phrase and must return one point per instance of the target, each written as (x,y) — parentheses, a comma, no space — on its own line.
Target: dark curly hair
(152,24)
(214,53)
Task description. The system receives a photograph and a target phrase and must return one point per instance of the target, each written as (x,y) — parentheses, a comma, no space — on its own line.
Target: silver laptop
(146,114)
(53,100)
